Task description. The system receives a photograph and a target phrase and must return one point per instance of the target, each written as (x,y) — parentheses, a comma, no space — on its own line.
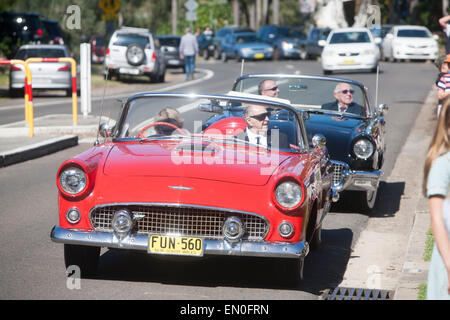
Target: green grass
(429,243)
(428,246)
(4,79)
(422,295)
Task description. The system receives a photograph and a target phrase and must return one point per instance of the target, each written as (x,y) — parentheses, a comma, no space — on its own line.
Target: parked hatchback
(286,41)
(221,34)
(45,75)
(134,52)
(245,45)
(170,46)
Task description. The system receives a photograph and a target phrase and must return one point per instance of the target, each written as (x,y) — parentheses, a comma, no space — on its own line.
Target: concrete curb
(37,150)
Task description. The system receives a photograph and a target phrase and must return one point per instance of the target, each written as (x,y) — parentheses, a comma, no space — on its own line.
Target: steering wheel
(141,132)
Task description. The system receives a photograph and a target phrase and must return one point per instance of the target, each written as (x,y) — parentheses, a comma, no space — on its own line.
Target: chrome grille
(338,174)
(186,221)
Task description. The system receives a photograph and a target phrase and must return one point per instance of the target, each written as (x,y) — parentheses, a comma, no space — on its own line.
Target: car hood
(339,132)
(253,45)
(416,42)
(350,47)
(166,160)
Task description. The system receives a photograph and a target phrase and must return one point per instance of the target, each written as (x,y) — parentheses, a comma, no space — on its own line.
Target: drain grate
(342,293)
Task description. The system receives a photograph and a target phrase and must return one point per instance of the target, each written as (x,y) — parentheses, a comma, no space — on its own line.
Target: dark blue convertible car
(354,138)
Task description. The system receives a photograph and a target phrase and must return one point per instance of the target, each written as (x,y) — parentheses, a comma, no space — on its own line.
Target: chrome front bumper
(211,247)
(346,179)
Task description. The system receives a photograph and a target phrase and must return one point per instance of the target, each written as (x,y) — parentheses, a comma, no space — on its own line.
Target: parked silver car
(44,75)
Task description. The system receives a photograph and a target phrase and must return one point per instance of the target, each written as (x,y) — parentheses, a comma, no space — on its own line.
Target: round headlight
(288,194)
(363,149)
(73,180)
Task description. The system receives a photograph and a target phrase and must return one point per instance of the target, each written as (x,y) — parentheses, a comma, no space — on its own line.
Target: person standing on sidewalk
(445,24)
(188,50)
(436,187)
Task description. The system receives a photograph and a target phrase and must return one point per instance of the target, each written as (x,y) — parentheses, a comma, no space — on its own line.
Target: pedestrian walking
(436,187)
(188,50)
(445,24)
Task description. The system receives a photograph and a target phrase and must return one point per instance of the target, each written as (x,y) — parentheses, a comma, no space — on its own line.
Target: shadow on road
(323,267)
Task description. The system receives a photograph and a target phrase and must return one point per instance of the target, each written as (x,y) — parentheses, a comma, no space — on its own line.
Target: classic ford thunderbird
(162,182)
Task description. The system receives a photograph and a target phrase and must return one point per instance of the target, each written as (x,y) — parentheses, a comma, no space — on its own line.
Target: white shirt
(253,138)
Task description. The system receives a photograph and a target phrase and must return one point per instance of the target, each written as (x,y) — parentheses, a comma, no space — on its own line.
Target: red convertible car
(173,176)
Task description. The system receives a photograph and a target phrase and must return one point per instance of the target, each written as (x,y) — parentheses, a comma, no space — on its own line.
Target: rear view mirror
(322,43)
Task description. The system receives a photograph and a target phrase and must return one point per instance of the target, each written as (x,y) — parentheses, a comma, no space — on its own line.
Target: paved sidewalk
(389,252)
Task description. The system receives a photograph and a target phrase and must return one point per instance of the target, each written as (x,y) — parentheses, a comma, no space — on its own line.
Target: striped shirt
(444,83)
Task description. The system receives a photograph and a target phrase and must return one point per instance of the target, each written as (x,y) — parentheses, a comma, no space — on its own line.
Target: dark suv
(221,34)
(19,28)
(286,41)
(312,43)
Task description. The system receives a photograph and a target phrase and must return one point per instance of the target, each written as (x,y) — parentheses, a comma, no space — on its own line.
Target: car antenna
(376,86)
(101,106)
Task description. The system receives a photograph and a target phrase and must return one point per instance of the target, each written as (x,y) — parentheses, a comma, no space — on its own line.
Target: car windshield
(24,54)
(295,33)
(349,37)
(246,38)
(180,118)
(413,33)
(172,42)
(125,39)
(315,94)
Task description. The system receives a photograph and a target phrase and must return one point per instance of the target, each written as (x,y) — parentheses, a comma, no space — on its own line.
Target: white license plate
(174,61)
(129,71)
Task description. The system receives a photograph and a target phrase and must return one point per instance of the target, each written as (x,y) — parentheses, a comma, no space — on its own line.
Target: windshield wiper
(165,138)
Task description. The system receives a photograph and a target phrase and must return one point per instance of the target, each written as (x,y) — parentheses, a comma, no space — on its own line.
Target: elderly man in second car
(268,88)
(344,100)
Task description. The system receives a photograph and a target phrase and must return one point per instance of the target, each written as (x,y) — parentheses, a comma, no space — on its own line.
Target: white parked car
(134,52)
(349,49)
(410,42)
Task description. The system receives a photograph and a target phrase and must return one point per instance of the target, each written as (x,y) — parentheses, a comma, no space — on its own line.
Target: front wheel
(366,200)
(85,257)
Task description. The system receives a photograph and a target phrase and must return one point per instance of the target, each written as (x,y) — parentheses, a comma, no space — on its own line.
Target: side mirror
(377,40)
(105,130)
(319,141)
(435,37)
(389,36)
(322,43)
(382,109)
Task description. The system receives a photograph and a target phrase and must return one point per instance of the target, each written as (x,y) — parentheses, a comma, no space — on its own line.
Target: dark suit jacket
(283,142)
(352,108)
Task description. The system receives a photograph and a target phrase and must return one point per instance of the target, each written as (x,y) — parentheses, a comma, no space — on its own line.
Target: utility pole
(174,16)
(236,13)
(276,11)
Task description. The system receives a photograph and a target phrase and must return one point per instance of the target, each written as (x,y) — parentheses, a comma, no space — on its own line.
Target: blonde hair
(169,113)
(440,143)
